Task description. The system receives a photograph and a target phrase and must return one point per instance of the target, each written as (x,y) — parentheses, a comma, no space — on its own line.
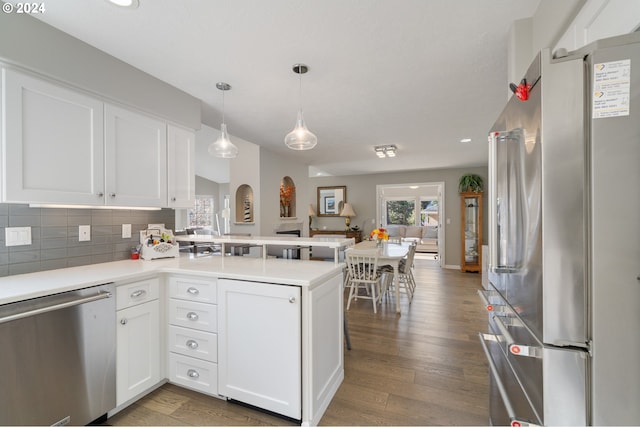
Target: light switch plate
(126,231)
(17,236)
(84,233)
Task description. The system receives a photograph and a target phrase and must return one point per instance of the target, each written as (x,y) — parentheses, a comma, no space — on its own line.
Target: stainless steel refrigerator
(563,341)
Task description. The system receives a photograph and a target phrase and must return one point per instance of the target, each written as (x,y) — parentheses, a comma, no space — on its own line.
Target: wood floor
(423,367)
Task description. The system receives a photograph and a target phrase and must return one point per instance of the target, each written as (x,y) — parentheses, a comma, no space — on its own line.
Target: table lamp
(347,212)
(312,213)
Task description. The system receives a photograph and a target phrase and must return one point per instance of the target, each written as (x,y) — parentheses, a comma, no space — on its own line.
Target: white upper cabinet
(62,146)
(180,167)
(52,144)
(136,159)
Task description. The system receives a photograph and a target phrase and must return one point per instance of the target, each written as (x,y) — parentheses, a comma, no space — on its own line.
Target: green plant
(470,182)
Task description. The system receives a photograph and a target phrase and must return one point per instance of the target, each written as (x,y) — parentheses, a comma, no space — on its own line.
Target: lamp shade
(312,211)
(347,210)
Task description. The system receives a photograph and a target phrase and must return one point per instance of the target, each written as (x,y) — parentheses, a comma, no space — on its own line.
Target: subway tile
(101,230)
(101,249)
(23,268)
(23,210)
(60,242)
(53,220)
(4,209)
(100,240)
(53,232)
(76,220)
(23,257)
(78,251)
(117,256)
(78,261)
(53,264)
(54,212)
(56,253)
(96,259)
(24,220)
(4,221)
(99,217)
(35,245)
(4,258)
(4,270)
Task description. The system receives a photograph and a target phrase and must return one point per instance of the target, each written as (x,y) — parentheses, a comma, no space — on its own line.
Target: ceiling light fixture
(465,140)
(300,138)
(128,4)
(223,147)
(383,151)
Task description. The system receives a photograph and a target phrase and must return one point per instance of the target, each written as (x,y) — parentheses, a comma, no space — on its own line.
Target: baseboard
(452,267)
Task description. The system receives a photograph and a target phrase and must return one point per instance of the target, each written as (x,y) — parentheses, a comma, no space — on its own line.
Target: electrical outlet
(126,231)
(84,233)
(17,236)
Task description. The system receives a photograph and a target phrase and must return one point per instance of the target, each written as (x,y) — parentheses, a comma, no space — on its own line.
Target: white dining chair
(362,265)
(406,280)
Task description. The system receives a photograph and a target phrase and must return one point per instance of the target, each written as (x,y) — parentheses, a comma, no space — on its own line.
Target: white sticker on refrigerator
(611,88)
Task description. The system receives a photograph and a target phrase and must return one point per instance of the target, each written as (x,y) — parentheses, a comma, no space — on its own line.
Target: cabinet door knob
(292,300)
(192,373)
(123,321)
(138,293)
(113,194)
(173,199)
(101,194)
(192,344)
(193,291)
(192,316)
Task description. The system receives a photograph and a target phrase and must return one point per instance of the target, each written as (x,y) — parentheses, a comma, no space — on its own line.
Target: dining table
(389,254)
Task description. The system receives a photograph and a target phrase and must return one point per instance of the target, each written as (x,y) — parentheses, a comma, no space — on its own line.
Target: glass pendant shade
(300,138)
(223,147)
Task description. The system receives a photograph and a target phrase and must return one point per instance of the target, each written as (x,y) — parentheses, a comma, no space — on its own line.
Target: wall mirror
(331,200)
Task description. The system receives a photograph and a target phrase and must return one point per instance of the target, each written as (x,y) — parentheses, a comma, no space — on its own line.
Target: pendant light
(300,138)
(223,147)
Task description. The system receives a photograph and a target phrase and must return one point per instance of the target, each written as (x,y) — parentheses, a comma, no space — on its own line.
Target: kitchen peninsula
(276,325)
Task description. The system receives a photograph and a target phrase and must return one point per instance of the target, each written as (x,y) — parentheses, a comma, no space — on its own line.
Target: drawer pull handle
(192,344)
(292,300)
(192,316)
(138,293)
(193,291)
(123,321)
(192,373)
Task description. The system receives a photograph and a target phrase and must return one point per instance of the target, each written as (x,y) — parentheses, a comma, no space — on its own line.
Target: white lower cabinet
(260,348)
(138,351)
(192,333)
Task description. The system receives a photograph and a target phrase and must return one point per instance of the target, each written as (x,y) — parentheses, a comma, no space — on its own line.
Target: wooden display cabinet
(471,234)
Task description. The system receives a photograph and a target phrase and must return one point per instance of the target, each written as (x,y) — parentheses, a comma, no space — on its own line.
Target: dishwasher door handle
(54,307)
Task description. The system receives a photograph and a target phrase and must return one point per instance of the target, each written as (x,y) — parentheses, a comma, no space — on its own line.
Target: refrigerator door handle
(493,369)
(515,348)
(496,308)
(492,208)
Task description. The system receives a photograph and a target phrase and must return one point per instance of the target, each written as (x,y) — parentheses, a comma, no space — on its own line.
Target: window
(429,212)
(400,211)
(201,215)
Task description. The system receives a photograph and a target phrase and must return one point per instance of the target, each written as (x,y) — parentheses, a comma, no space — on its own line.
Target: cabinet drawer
(190,342)
(193,315)
(136,293)
(193,373)
(187,288)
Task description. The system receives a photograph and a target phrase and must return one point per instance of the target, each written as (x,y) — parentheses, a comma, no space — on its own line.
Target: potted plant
(470,182)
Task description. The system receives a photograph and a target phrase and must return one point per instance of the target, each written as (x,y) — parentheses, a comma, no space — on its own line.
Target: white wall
(273,168)
(207,166)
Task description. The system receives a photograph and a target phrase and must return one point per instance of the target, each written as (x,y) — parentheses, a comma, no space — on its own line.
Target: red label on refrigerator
(515,349)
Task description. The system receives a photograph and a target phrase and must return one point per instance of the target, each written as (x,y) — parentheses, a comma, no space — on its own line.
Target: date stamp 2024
(28,8)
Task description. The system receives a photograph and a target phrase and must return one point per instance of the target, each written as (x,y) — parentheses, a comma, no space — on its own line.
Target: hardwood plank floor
(423,367)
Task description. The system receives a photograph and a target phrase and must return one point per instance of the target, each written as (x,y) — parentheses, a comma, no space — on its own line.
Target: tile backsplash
(54,236)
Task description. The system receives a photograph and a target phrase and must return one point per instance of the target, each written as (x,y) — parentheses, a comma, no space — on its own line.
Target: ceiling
(420,74)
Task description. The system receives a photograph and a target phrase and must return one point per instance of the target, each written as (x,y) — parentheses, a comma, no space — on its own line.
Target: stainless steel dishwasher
(57,358)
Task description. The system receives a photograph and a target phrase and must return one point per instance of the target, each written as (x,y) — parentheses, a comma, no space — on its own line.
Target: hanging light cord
(223,105)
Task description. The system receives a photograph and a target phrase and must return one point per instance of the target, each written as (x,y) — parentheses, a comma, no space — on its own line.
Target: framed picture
(330,205)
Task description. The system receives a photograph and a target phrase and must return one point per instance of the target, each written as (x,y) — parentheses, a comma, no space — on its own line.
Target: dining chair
(362,265)
(406,280)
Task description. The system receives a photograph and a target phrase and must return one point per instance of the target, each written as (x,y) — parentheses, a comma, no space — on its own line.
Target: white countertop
(284,271)
(330,242)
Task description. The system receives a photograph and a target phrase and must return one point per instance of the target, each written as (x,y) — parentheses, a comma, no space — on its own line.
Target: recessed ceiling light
(129,4)
(465,140)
